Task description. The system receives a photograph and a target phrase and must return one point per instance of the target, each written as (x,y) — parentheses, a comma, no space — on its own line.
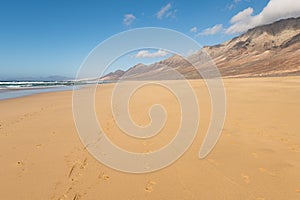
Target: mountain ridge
(267,50)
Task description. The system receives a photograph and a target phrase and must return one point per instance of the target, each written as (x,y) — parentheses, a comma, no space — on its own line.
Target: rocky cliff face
(268,50)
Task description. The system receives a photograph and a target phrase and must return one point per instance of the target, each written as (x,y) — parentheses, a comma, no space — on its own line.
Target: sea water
(15,89)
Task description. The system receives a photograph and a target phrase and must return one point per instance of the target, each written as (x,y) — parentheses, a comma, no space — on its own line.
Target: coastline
(12,93)
(19,93)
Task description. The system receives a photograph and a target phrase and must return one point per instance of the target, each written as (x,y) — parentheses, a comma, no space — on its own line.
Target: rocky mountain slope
(268,50)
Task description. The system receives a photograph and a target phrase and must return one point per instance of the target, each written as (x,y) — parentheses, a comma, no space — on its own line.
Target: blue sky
(42,38)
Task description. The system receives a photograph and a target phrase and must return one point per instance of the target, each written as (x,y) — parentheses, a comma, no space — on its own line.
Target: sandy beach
(257,156)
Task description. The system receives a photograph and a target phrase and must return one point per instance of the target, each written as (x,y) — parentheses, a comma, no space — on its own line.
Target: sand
(257,156)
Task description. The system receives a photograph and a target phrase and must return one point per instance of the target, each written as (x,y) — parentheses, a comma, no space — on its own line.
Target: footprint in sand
(67,194)
(63,197)
(76,197)
(77,165)
(295,148)
(284,140)
(21,166)
(84,163)
(103,176)
(254,155)
(71,171)
(263,170)
(149,186)
(261,134)
(246,178)
(19,163)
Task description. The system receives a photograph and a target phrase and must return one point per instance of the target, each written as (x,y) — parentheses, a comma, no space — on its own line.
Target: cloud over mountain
(246,19)
(274,10)
(213,30)
(148,54)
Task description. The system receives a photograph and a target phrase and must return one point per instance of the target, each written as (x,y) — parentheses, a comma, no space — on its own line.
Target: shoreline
(36,91)
(7,94)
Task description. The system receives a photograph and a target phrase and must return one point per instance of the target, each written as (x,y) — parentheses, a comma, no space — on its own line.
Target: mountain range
(268,50)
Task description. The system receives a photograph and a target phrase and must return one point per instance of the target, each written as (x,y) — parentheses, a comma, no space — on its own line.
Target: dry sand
(257,156)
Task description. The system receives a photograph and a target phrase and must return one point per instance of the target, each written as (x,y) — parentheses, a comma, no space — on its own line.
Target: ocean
(15,89)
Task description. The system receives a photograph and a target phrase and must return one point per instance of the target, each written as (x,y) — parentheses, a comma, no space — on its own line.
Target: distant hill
(268,50)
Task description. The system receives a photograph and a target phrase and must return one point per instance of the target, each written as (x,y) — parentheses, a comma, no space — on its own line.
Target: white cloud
(128,19)
(166,11)
(242,15)
(213,30)
(147,54)
(274,11)
(234,4)
(194,29)
(230,7)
